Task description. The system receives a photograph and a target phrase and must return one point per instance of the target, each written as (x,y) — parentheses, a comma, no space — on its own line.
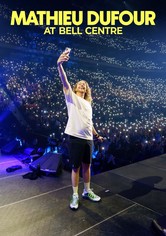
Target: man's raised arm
(63,58)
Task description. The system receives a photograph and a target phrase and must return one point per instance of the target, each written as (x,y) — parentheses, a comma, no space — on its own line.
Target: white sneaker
(74,202)
(91,196)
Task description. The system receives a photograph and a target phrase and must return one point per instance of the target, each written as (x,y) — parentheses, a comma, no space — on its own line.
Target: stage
(132,196)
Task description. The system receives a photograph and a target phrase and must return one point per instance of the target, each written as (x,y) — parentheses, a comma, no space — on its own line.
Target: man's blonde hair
(88,95)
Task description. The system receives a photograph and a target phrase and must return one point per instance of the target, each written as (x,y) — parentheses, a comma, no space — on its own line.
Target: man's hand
(100,138)
(63,58)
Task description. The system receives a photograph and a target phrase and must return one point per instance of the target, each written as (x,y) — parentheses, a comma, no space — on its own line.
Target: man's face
(81,86)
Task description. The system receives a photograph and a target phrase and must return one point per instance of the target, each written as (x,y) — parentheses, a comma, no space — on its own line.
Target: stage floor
(132,196)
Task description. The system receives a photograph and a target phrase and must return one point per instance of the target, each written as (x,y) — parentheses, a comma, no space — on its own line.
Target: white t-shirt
(79,122)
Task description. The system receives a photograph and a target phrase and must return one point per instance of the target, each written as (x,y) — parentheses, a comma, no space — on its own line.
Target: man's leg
(88,193)
(75,180)
(86,172)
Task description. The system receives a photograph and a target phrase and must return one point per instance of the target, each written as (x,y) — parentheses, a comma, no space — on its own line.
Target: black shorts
(80,151)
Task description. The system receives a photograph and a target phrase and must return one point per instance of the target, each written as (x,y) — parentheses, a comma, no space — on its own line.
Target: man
(80,130)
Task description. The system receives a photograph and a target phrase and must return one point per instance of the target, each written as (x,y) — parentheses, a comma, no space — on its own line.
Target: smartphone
(68,50)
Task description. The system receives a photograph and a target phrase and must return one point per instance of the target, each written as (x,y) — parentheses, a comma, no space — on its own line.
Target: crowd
(129,92)
(35,44)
